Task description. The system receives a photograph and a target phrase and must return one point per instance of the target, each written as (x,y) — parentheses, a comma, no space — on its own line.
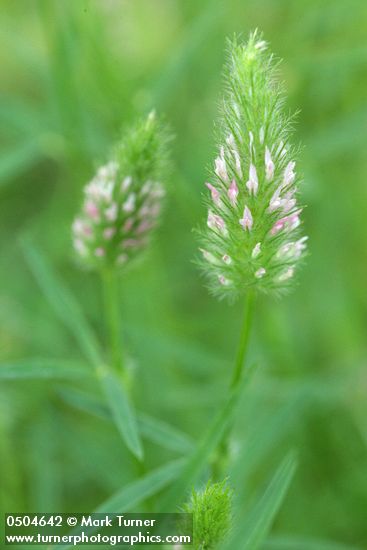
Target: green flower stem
(113,321)
(244,340)
(219,462)
(114,325)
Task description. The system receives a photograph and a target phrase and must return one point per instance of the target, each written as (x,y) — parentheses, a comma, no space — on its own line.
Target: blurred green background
(73,74)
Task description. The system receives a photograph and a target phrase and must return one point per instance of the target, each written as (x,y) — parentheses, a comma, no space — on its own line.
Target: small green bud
(212,518)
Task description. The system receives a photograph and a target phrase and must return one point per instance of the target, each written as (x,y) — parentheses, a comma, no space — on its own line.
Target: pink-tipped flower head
(123,200)
(254,221)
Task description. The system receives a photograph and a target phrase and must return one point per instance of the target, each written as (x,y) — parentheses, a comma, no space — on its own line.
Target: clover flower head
(252,239)
(122,202)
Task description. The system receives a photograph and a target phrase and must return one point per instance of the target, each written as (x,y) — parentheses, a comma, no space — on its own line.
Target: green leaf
(63,303)
(255,527)
(42,368)
(154,430)
(69,311)
(84,402)
(136,492)
(266,431)
(122,410)
(201,454)
(164,434)
(143,488)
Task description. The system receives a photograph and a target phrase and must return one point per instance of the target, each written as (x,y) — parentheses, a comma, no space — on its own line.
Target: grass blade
(68,310)
(201,454)
(256,527)
(84,402)
(266,431)
(63,303)
(122,411)
(136,492)
(164,434)
(156,431)
(37,368)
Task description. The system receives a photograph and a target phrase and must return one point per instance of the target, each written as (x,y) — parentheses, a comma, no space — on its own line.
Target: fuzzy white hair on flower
(253,238)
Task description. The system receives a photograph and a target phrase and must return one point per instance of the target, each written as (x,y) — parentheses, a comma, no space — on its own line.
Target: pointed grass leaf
(84,402)
(63,303)
(200,456)
(267,431)
(254,529)
(154,430)
(69,311)
(135,492)
(164,434)
(122,410)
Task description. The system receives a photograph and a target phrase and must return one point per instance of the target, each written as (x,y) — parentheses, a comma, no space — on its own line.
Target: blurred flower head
(211,510)
(123,201)
(252,238)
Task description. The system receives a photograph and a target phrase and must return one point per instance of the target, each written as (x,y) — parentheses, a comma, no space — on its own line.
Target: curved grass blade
(136,492)
(253,532)
(84,402)
(69,311)
(201,455)
(140,490)
(121,410)
(63,303)
(164,434)
(266,432)
(37,368)
(154,430)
